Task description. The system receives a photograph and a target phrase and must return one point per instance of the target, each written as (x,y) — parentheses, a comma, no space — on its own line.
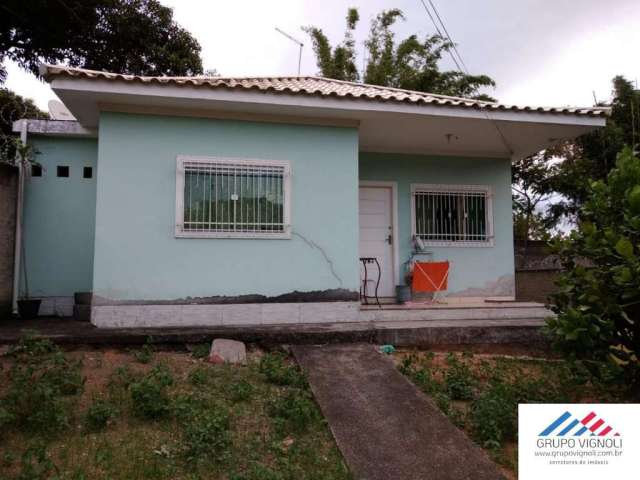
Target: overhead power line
(503,139)
(455,49)
(433,20)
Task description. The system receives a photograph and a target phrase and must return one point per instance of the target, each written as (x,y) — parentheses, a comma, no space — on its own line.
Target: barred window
(452,214)
(232,198)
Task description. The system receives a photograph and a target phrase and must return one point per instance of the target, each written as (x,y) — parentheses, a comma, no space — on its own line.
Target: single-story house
(215,201)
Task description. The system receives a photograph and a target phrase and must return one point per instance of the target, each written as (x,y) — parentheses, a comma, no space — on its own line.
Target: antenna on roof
(295,40)
(58,111)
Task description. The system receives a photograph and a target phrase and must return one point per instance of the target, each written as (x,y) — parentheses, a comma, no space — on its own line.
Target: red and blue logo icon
(568,425)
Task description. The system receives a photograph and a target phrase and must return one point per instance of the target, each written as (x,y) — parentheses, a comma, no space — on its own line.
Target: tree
(13,107)
(337,62)
(531,187)
(592,156)
(126,36)
(411,64)
(598,302)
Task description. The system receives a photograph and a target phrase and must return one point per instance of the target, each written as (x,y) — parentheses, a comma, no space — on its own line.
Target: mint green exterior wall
(475,271)
(59,218)
(138,258)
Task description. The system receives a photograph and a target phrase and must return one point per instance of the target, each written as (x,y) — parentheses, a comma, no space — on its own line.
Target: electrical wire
(465,70)
(426,9)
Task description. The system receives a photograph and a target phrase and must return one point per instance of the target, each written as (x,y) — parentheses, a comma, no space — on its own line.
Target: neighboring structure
(8,194)
(193,201)
(537,270)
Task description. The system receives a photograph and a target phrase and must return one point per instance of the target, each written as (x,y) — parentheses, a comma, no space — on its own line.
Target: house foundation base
(257,314)
(213,315)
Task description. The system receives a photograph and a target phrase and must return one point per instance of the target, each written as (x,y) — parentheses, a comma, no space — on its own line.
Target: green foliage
(276,370)
(99,414)
(458,379)
(36,464)
(241,391)
(201,350)
(14,107)
(337,62)
(294,411)
(40,382)
(412,63)
(494,415)
(592,156)
(598,302)
(423,376)
(531,179)
(145,354)
(206,435)
(198,376)
(149,394)
(125,36)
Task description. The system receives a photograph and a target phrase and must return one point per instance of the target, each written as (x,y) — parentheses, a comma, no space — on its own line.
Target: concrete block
(227,351)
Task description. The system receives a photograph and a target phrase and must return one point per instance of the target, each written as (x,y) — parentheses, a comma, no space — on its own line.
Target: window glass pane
(233,198)
(451,216)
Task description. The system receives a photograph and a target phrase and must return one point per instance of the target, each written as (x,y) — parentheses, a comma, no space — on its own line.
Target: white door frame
(395,256)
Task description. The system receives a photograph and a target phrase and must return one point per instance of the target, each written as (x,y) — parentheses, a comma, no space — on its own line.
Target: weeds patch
(278,371)
(149,394)
(482,395)
(99,414)
(134,420)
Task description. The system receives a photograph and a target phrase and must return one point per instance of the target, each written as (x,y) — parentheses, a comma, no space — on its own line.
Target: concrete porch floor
(454,311)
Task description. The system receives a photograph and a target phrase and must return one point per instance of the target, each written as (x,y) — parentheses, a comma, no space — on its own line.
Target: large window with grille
(232,198)
(452,215)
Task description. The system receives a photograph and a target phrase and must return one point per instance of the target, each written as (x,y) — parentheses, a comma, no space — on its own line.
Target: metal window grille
(451,216)
(234,197)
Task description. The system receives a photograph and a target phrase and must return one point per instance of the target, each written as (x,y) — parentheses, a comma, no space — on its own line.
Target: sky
(539,52)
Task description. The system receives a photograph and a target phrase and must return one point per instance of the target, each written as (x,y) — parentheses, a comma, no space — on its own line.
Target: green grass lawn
(93,414)
(480,393)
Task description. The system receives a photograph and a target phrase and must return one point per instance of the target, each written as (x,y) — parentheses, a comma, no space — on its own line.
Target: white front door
(376,240)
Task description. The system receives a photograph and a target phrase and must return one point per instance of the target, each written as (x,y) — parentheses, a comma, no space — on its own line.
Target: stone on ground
(384,426)
(227,351)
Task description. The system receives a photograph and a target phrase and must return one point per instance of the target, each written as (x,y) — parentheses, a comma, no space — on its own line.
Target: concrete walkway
(385,427)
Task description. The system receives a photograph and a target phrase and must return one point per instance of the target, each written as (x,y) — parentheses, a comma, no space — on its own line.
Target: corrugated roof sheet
(318,86)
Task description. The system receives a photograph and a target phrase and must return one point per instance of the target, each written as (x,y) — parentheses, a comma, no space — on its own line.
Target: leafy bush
(598,302)
(145,354)
(294,411)
(206,435)
(494,414)
(276,370)
(99,414)
(458,379)
(149,394)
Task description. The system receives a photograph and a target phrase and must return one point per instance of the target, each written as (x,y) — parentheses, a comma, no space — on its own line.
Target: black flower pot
(28,309)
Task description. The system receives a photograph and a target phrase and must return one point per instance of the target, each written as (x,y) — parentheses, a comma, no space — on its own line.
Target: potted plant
(20,155)
(403,292)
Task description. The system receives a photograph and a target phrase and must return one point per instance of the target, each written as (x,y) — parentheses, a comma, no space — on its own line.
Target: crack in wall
(314,245)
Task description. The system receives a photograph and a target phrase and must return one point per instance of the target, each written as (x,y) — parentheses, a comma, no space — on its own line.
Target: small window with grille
(452,215)
(232,198)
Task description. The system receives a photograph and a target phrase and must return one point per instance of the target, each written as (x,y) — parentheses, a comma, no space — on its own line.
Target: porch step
(455,313)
